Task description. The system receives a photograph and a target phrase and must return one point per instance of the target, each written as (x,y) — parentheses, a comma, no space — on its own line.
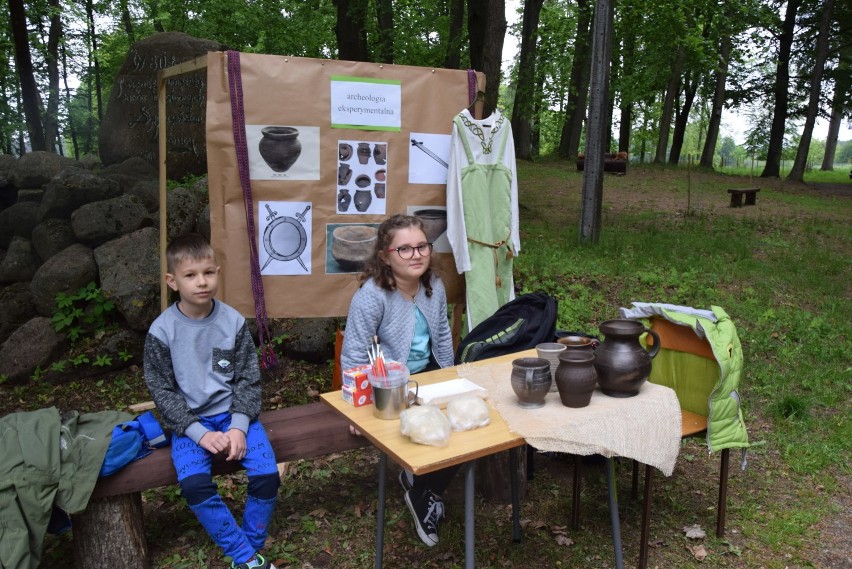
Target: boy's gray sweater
(386,313)
(200,368)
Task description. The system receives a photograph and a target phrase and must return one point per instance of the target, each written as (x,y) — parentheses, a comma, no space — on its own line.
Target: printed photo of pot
(352,245)
(280,147)
(434,222)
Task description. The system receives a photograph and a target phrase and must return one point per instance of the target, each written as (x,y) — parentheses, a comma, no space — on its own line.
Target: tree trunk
(797,172)
(51,116)
(626,105)
(350,32)
(486,26)
(71,128)
(127,22)
(29,89)
(522,112)
(493,475)
(593,170)
(689,89)
(384,14)
(718,103)
(782,79)
(93,36)
(575,108)
(452,60)
(672,91)
(841,87)
(110,533)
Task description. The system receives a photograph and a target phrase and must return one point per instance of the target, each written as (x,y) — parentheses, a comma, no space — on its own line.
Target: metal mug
(391,394)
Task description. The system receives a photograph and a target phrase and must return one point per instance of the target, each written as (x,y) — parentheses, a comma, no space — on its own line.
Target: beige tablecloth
(645,427)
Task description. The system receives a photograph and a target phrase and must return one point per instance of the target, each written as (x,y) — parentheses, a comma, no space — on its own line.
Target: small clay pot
(380,153)
(344,174)
(363,199)
(380,191)
(344,151)
(344,198)
(363,152)
(576,378)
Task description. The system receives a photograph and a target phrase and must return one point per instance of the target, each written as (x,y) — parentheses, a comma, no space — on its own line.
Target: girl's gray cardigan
(390,316)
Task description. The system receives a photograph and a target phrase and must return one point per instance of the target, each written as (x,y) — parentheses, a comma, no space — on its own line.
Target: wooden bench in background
(110,531)
(737,196)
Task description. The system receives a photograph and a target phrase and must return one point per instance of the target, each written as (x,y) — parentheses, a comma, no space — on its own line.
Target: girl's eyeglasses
(407,252)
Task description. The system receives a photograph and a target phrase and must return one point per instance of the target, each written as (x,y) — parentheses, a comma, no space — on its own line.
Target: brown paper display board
(334,147)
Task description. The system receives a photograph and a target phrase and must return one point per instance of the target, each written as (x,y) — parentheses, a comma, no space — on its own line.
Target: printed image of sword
(429,153)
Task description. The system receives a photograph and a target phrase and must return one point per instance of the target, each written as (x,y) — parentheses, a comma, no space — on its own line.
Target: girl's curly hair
(377,268)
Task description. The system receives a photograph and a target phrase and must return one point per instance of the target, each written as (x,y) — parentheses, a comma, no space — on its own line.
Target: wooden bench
(737,196)
(110,531)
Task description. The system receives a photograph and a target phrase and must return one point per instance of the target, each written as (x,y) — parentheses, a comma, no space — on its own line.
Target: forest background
(678,67)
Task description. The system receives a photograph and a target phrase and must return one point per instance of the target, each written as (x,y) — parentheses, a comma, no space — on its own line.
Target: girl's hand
(215,442)
(238,444)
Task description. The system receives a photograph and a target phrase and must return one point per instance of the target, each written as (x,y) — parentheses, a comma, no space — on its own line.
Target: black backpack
(518,325)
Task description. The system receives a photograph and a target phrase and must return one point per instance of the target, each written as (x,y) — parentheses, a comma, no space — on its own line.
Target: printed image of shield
(284,237)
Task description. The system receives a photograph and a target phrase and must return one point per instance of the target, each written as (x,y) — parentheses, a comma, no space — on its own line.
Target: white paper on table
(443,392)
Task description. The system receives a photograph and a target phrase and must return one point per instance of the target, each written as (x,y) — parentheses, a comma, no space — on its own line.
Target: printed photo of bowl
(352,245)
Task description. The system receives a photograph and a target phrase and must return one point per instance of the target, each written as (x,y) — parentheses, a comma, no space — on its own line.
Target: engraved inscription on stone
(131,125)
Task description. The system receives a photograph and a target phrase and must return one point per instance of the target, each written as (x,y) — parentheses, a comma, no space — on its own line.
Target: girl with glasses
(404,304)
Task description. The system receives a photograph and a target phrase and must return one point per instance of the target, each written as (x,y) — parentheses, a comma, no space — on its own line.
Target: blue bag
(131,441)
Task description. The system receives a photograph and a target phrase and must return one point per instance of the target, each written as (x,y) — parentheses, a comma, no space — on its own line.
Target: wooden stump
(110,533)
(493,475)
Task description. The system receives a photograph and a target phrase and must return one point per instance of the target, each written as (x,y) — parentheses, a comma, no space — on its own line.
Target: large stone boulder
(34,169)
(74,188)
(183,206)
(52,236)
(312,340)
(16,308)
(130,172)
(147,192)
(130,275)
(130,126)
(67,271)
(20,262)
(34,345)
(18,220)
(98,222)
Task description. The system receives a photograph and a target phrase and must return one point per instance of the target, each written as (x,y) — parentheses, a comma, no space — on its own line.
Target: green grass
(840,174)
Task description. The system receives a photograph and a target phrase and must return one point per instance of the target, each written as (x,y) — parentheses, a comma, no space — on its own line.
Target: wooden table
(464,448)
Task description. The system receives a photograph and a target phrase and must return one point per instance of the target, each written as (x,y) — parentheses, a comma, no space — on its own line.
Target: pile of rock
(65,223)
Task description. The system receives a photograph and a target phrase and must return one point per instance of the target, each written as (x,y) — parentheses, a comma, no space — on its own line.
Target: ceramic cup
(550,351)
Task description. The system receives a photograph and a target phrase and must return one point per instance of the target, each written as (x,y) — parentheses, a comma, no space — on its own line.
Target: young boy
(201,369)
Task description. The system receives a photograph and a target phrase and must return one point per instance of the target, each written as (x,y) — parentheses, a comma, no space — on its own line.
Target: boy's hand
(238,444)
(216,442)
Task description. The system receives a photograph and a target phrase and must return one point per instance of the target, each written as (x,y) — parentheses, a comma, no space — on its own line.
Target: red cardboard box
(358,398)
(356,378)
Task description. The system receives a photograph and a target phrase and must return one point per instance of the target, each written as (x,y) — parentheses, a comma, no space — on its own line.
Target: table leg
(575,493)
(646,518)
(380,512)
(469,559)
(516,498)
(613,512)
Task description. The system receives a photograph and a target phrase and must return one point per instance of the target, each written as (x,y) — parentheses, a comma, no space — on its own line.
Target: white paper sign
(366,104)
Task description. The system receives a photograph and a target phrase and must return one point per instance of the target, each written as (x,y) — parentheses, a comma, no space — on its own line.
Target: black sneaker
(426,511)
(259,562)
(405,481)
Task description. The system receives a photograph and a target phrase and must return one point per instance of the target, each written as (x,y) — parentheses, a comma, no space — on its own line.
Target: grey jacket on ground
(386,313)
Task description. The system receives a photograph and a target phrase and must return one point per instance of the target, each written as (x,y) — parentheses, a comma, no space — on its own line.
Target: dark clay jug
(576,377)
(280,147)
(343,200)
(531,381)
(621,362)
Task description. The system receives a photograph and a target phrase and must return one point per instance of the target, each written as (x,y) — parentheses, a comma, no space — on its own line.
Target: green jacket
(725,424)
(46,462)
